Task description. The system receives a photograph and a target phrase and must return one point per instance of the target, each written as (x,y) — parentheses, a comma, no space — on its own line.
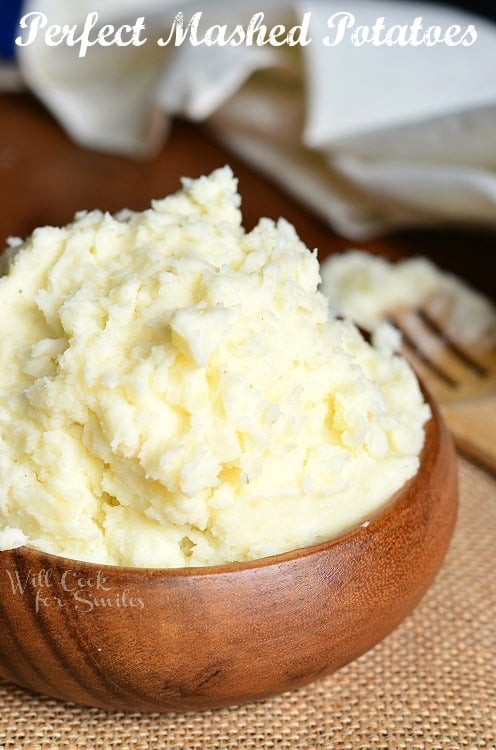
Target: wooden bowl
(182,639)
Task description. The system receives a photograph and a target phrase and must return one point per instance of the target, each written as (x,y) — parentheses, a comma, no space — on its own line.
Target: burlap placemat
(430,686)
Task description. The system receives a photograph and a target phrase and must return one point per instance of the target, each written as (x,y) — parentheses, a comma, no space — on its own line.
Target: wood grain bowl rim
(433,429)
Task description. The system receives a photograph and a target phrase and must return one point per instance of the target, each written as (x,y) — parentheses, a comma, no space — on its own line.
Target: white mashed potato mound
(365,287)
(174,392)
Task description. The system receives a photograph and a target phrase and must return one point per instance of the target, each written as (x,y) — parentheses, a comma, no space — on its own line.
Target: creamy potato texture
(173,391)
(365,288)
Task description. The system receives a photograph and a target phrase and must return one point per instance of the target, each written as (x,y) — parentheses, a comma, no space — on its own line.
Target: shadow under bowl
(196,638)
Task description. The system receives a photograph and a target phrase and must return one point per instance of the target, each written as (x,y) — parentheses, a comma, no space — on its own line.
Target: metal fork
(462,379)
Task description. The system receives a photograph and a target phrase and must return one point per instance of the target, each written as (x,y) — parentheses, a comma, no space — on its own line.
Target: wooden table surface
(45,178)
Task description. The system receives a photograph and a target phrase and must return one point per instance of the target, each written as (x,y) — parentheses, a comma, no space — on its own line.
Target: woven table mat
(431,685)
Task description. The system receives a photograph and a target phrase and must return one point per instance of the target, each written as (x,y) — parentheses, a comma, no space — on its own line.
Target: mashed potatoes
(173,392)
(365,288)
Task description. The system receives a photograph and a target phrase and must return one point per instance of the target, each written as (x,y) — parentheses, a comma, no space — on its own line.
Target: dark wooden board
(45,178)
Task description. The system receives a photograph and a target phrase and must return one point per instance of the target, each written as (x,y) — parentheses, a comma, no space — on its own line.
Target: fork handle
(473,427)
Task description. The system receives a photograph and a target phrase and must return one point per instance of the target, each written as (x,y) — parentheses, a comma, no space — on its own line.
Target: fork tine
(432,347)
(438,386)
(482,350)
(468,360)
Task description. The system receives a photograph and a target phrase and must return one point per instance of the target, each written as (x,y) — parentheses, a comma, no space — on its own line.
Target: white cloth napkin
(372,138)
